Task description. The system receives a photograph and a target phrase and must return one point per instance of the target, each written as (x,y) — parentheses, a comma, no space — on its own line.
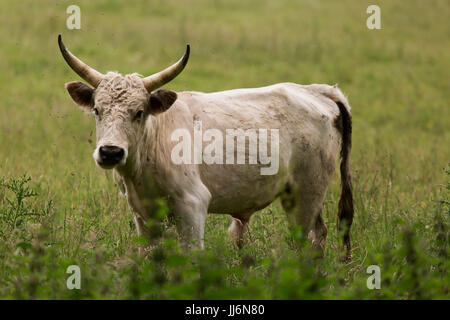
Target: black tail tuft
(346,211)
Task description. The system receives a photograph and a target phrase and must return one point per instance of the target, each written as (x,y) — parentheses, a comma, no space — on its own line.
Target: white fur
(309,147)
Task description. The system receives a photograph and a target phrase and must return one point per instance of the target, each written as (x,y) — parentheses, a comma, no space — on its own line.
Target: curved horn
(92,76)
(161,78)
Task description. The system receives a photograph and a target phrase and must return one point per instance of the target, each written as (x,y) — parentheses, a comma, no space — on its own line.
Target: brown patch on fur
(161,100)
(343,124)
(288,200)
(338,124)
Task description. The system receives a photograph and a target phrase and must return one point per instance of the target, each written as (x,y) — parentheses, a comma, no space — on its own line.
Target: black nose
(111,155)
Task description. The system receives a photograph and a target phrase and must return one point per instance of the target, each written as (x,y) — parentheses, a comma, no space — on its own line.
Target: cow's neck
(141,157)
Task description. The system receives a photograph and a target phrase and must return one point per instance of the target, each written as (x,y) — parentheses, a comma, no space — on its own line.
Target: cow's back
(303,117)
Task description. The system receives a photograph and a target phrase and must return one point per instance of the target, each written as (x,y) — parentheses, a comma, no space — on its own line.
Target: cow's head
(121,104)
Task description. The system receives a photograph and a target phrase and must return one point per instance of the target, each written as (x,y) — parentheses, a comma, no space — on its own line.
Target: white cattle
(135,127)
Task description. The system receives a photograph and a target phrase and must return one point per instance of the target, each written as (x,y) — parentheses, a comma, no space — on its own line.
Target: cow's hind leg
(320,232)
(303,204)
(239,228)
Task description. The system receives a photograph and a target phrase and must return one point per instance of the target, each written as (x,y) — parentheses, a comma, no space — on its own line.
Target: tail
(344,125)
(346,210)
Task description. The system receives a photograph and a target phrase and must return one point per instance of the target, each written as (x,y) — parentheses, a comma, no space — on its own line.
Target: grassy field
(58,209)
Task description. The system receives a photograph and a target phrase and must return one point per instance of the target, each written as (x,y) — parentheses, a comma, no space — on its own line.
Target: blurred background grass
(396,79)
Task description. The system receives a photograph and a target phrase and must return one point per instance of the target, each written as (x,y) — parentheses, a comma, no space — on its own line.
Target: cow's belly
(238,189)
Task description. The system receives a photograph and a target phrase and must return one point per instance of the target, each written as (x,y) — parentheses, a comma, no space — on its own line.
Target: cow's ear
(160,101)
(81,93)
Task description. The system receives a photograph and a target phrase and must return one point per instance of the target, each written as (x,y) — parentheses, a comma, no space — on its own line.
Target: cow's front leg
(142,231)
(139,212)
(190,216)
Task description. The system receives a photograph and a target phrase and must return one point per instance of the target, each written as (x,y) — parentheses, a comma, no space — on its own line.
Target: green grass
(70,212)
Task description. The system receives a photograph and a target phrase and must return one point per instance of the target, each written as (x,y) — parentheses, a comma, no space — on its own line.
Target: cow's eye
(139,115)
(96,111)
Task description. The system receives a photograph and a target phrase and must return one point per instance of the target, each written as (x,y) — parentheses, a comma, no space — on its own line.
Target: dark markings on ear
(81,93)
(161,100)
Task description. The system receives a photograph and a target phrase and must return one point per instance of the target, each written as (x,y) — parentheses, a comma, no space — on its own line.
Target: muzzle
(109,156)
